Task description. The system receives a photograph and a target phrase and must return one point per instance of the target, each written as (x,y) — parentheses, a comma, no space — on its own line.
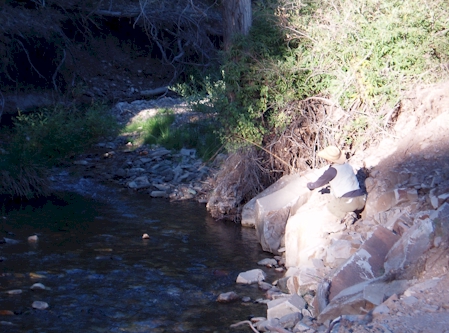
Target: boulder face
(269,211)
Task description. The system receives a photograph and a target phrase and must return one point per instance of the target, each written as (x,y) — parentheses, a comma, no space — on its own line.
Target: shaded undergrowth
(199,134)
(48,137)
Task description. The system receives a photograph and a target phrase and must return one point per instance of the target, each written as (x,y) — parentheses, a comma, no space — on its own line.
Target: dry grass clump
(240,178)
(26,183)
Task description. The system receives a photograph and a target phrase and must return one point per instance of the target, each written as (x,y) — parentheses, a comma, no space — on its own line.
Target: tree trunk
(237,19)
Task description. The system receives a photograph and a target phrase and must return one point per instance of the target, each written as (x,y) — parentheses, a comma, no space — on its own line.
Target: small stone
(81,162)
(227,297)
(251,276)
(33,239)
(268,262)
(10,240)
(14,292)
(145,236)
(246,299)
(380,309)
(6,313)
(36,276)
(38,286)
(39,305)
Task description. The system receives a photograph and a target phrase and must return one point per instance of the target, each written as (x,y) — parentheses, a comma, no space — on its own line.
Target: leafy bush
(357,56)
(160,130)
(44,139)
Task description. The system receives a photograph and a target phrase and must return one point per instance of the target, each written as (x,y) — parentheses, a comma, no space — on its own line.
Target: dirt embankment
(67,52)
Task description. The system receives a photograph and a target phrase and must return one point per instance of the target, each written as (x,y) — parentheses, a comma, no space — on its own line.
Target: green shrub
(160,130)
(43,139)
(359,55)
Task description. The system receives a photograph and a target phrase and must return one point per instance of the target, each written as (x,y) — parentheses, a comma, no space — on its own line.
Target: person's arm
(325,178)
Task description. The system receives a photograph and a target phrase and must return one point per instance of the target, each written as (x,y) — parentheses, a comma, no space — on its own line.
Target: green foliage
(49,136)
(358,54)
(160,130)
(45,138)
(372,50)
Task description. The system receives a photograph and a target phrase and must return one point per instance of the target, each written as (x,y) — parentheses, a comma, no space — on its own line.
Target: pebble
(38,286)
(33,239)
(14,292)
(6,313)
(39,305)
(227,297)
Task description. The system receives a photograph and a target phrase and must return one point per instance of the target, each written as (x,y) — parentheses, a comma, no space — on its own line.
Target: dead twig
(29,60)
(57,70)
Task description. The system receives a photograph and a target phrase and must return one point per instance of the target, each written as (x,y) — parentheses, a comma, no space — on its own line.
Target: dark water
(101,276)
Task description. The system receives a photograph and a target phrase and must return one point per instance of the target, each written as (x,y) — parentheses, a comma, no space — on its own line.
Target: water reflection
(101,276)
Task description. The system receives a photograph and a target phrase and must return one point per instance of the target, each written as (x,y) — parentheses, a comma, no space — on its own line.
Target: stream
(100,275)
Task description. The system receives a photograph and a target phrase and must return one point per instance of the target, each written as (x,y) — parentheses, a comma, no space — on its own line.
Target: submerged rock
(39,305)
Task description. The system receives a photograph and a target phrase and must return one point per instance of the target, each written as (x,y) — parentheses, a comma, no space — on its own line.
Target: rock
(265,325)
(268,262)
(39,305)
(405,258)
(272,211)
(38,286)
(139,183)
(248,210)
(10,241)
(158,194)
(301,280)
(6,313)
(227,297)
(366,264)
(381,309)
(283,306)
(145,236)
(81,162)
(188,152)
(338,251)
(251,276)
(14,292)
(307,231)
(290,320)
(301,327)
(356,300)
(33,239)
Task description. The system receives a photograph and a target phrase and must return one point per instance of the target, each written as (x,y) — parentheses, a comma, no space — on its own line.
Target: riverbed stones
(38,286)
(40,305)
(33,239)
(251,276)
(283,306)
(404,257)
(227,297)
(365,264)
(154,170)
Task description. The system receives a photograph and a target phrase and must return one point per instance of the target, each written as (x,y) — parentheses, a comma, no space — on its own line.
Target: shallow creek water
(101,276)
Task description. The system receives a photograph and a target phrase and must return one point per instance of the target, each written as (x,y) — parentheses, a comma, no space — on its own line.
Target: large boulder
(248,211)
(361,298)
(307,231)
(270,210)
(366,264)
(406,258)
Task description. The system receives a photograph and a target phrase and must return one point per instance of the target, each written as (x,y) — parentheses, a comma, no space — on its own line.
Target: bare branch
(57,70)
(29,60)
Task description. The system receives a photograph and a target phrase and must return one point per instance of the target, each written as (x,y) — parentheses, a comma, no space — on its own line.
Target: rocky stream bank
(386,272)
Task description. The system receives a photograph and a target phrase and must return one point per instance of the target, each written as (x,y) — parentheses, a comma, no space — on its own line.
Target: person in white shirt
(348,198)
